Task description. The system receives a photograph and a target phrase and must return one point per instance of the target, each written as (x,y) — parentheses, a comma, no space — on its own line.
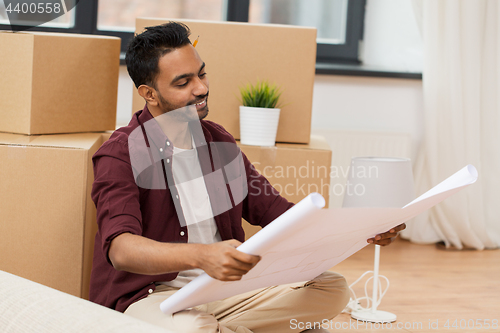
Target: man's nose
(201,88)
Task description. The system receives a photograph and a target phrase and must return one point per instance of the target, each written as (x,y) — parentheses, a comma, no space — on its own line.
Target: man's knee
(336,285)
(346,293)
(193,321)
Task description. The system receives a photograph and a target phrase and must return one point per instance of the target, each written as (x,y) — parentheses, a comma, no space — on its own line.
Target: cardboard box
(48,220)
(239,53)
(295,170)
(58,83)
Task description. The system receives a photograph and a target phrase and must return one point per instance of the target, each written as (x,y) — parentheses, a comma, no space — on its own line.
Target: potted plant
(259,114)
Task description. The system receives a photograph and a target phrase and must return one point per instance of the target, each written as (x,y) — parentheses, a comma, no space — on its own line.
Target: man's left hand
(387,238)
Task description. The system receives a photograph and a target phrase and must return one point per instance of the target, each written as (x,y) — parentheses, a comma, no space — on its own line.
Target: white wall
(125,89)
(368,104)
(392,41)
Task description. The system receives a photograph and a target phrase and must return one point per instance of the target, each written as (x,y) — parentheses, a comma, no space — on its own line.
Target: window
(28,13)
(328,16)
(117,17)
(51,15)
(339,22)
(109,18)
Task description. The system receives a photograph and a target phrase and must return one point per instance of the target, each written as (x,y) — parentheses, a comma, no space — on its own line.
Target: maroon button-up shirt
(123,206)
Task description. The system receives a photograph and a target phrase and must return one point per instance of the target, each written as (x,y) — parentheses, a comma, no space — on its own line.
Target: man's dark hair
(145,50)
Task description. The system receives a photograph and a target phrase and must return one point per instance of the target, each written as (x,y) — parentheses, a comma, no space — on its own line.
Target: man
(154,240)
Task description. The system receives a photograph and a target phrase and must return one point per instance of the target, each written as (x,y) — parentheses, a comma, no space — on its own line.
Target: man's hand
(140,255)
(387,238)
(223,262)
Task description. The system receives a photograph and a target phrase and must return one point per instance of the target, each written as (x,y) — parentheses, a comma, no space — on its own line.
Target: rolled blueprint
(283,227)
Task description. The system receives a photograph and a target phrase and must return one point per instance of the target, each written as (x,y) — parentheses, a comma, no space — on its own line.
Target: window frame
(236,11)
(347,53)
(83,25)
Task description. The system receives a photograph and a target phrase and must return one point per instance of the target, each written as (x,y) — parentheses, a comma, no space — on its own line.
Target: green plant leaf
(260,95)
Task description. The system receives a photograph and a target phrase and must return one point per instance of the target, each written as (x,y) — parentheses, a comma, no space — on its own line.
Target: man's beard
(167,107)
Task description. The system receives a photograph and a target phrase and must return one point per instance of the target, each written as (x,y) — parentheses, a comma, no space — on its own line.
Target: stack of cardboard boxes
(59,97)
(52,84)
(239,53)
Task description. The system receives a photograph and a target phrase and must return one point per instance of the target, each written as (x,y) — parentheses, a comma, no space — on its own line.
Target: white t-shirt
(195,203)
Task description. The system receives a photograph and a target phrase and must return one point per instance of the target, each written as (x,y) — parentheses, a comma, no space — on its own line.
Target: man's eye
(202,75)
(182,85)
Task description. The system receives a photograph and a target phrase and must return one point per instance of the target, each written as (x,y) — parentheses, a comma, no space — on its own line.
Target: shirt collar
(158,139)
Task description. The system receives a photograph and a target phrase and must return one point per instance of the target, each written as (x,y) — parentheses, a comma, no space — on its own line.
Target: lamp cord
(354,303)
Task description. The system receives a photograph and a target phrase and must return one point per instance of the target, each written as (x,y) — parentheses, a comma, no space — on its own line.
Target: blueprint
(307,240)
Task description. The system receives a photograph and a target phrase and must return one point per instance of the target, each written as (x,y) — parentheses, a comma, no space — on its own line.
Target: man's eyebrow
(183,76)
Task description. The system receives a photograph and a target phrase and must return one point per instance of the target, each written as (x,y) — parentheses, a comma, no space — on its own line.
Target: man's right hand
(223,262)
(140,255)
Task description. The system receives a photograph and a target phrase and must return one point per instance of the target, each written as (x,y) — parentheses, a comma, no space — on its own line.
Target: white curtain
(461,83)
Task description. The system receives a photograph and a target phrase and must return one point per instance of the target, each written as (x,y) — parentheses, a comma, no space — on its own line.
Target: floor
(431,290)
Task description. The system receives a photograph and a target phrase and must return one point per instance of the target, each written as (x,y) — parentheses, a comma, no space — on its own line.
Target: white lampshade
(379,182)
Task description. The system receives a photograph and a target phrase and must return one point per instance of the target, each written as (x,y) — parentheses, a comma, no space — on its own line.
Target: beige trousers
(273,309)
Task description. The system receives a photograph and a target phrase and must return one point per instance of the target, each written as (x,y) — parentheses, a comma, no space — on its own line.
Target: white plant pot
(258,126)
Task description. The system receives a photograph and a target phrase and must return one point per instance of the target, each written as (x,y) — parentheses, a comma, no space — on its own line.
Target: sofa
(26,306)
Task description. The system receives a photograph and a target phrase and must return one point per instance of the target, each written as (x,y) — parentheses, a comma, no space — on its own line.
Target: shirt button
(176,196)
(182,233)
(150,291)
(168,143)
(161,150)
(168,160)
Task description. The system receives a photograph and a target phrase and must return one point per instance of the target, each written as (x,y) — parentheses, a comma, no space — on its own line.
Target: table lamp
(378,182)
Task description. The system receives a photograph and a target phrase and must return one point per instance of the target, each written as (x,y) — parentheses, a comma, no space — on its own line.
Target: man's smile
(201,105)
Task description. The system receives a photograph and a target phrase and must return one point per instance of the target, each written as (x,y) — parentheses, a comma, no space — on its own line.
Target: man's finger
(384,236)
(243,266)
(241,256)
(234,243)
(245,258)
(398,228)
(235,277)
(235,271)
(391,232)
(384,242)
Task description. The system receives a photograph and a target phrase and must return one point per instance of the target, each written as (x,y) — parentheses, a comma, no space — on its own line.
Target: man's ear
(149,94)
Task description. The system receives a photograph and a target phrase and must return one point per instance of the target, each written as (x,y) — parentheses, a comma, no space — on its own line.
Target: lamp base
(373,317)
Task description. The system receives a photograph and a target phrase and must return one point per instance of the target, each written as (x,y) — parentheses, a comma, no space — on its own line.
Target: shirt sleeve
(115,194)
(263,203)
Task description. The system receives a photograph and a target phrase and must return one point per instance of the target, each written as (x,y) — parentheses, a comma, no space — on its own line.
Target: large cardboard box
(295,170)
(239,53)
(47,218)
(58,83)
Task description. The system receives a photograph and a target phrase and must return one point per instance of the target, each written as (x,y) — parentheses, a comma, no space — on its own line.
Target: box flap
(66,35)
(74,141)
(317,142)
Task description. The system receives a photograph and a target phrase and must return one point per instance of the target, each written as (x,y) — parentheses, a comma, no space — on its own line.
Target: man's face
(182,81)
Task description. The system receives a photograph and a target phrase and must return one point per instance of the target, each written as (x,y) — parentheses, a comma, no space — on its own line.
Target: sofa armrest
(26,306)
